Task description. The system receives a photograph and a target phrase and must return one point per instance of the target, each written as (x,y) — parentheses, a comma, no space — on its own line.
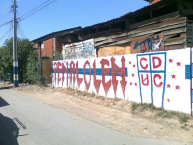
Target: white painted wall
(161,78)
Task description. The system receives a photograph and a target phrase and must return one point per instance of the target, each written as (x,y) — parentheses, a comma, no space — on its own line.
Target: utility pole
(15,61)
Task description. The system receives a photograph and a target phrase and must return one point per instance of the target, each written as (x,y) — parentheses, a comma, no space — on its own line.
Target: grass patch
(134,106)
(163,114)
(183,118)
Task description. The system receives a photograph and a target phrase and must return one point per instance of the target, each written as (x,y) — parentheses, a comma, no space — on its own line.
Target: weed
(114,103)
(183,127)
(163,114)
(84,93)
(100,97)
(93,94)
(134,106)
(151,106)
(183,118)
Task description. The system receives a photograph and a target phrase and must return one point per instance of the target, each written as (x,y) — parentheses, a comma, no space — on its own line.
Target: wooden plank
(146,32)
(173,21)
(175,41)
(103,42)
(173,26)
(99,39)
(173,47)
(110,37)
(174,31)
(153,21)
(103,33)
(117,43)
(168,36)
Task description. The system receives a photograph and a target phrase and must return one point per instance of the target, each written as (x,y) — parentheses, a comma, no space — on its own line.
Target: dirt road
(113,113)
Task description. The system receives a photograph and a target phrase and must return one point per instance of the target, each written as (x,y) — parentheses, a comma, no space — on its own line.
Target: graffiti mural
(160,78)
(148,44)
(84,49)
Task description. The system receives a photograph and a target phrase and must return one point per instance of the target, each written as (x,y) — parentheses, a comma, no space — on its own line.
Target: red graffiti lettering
(105,71)
(84,72)
(57,69)
(116,69)
(154,77)
(159,62)
(144,67)
(72,69)
(97,83)
(66,70)
(146,79)
(79,80)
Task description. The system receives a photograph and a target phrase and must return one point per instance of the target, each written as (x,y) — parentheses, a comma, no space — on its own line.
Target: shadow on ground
(8,129)
(8,87)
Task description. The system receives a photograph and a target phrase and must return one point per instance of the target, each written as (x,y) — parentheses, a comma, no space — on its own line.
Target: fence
(162,78)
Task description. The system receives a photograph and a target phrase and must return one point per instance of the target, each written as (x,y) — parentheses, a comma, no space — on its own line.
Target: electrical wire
(35,8)
(6,15)
(20,27)
(6,23)
(20,19)
(8,31)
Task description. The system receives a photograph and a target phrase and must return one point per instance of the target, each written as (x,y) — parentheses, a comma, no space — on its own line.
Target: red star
(132,75)
(178,63)
(129,62)
(168,85)
(133,65)
(131,83)
(177,87)
(168,100)
(170,60)
(173,76)
(135,84)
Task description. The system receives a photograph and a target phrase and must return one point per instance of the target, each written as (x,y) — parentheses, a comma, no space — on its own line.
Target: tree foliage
(24,52)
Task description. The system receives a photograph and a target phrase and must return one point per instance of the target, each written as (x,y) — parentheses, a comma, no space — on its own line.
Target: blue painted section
(139,80)
(151,80)
(16,83)
(15,70)
(98,71)
(164,84)
(192,96)
(153,71)
(187,72)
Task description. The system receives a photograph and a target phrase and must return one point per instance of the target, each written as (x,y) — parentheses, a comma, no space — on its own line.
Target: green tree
(24,49)
(31,73)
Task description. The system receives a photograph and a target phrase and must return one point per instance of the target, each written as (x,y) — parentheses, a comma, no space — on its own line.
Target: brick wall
(48,47)
(59,44)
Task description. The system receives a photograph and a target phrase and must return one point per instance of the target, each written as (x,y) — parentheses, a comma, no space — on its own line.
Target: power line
(20,27)
(20,19)
(35,8)
(7,31)
(6,23)
(6,15)
(10,33)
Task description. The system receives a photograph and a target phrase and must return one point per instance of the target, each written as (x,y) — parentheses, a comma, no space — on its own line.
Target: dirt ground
(113,113)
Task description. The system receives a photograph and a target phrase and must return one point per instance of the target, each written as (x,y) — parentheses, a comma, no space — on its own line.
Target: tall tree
(25,48)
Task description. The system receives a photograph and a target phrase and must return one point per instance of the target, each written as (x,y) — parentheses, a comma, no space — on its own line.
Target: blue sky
(62,14)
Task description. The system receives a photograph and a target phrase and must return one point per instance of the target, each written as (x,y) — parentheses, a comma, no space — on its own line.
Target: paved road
(25,121)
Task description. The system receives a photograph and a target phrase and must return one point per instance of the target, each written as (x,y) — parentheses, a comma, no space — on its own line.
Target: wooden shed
(164,25)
